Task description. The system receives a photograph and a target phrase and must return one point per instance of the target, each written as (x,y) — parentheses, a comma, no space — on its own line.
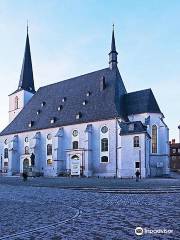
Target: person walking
(25,176)
(137,175)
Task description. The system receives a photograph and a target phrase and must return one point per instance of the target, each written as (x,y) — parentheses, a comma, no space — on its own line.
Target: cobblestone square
(49,211)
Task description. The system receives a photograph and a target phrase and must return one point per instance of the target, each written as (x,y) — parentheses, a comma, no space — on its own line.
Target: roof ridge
(146,89)
(68,79)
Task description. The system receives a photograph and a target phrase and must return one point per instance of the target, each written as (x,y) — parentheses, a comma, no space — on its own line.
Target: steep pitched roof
(26,81)
(75,106)
(132,128)
(141,102)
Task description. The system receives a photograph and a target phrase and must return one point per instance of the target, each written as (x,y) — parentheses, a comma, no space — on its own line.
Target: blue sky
(72,37)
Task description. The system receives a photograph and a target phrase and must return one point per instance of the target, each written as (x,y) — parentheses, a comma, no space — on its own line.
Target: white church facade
(85,126)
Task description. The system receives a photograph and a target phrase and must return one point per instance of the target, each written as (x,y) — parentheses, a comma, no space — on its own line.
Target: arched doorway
(75,165)
(75,157)
(26,165)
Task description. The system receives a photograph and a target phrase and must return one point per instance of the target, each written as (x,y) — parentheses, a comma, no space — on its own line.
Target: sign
(75,167)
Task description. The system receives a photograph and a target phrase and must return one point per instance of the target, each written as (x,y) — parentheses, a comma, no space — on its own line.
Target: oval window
(49,136)
(75,133)
(104,129)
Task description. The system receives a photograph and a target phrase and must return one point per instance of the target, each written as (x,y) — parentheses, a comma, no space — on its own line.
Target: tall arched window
(49,149)
(154,139)
(6,153)
(75,144)
(16,102)
(104,145)
(136,141)
(26,150)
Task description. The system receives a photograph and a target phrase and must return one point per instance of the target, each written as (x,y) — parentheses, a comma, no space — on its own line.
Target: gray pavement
(73,214)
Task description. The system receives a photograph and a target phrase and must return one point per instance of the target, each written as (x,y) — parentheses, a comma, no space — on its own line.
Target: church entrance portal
(26,165)
(75,165)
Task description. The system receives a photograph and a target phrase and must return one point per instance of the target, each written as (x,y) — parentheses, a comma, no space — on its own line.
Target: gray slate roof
(109,103)
(140,102)
(132,128)
(105,104)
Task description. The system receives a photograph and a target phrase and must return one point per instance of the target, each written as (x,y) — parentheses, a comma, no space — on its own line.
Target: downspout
(116,151)
(145,154)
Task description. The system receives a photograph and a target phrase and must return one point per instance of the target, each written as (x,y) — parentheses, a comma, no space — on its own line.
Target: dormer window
(79,115)
(88,94)
(43,104)
(38,112)
(60,108)
(64,99)
(131,127)
(84,102)
(53,120)
(30,124)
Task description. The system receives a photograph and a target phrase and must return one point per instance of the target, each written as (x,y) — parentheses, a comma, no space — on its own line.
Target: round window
(104,129)
(49,136)
(26,139)
(75,133)
(6,141)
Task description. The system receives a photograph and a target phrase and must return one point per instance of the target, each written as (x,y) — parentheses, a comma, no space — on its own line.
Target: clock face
(49,136)
(75,133)
(104,129)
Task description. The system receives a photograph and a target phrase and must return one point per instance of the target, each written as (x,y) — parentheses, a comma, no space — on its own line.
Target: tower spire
(113,53)
(26,81)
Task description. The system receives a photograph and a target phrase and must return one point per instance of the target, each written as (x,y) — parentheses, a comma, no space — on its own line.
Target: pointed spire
(26,81)
(113,53)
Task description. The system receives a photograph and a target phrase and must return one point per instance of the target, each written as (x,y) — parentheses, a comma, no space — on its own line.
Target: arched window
(6,153)
(16,102)
(136,141)
(75,144)
(49,149)
(104,159)
(75,157)
(26,150)
(104,145)
(154,139)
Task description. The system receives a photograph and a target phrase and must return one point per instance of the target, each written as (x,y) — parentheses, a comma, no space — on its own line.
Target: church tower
(113,53)
(26,89)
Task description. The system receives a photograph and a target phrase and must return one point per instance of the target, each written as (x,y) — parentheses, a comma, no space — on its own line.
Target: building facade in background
(87,125)
(174,155)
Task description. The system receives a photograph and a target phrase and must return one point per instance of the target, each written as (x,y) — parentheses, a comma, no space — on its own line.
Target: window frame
(74,146)
(6,153)
(105,157)
(104,145)
(154,145)
(136,141)
(16,103)
(26,150)
(49,149)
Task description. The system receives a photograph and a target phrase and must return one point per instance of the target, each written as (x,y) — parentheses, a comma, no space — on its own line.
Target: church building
(88,125)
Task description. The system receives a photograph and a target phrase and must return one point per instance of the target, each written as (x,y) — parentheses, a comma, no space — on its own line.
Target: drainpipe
(116,150)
